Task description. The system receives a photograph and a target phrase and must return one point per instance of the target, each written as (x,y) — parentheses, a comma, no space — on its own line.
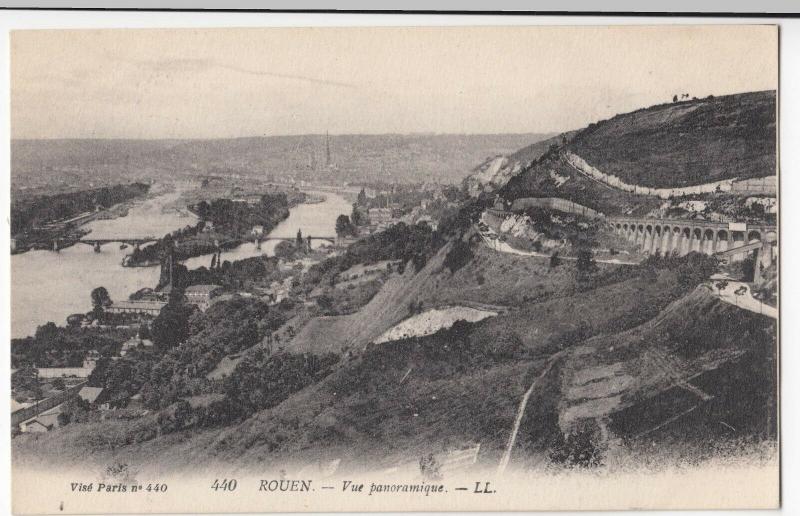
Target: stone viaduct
(684,236)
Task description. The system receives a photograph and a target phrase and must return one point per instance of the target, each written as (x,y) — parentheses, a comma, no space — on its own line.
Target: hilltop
(681,144)
(686,143)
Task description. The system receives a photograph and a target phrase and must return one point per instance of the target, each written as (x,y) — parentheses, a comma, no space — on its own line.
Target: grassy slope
(363,408)
(388,307)
(686,143)
(635,376)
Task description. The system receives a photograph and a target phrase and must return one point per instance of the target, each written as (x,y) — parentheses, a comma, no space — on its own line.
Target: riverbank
(48,286)
(55,221)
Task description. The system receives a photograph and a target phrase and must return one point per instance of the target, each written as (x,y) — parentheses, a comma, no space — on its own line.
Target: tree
(100,298)
(586,263)
(460,254)
(144,331)
(299,239)
(357,217)
(285,250)
(203,210)
(674,98)
(555,261)
(343,225)
(26,378)
(362,198)
(171,327)
(58,384)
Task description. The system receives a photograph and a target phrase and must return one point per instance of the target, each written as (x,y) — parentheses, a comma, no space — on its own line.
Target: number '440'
(224,484)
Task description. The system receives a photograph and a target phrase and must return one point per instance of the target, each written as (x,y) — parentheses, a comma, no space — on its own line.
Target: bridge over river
(97,243)
(136,242)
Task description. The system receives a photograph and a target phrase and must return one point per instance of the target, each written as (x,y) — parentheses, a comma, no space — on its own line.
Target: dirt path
(512,439)
(492,241)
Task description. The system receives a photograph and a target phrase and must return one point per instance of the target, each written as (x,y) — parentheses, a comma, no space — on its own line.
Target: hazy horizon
(332,135)
(211,84)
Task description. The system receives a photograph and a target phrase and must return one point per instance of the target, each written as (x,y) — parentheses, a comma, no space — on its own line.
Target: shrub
(583,447)
(458,256)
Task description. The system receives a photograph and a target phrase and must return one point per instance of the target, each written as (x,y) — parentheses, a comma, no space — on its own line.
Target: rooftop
(138,305)
(90,394)
(201,289)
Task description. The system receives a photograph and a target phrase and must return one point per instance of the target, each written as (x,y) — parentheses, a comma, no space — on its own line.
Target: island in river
(223,224)
(50,286)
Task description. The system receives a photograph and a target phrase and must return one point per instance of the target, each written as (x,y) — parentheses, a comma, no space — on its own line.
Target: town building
(380,216)
(94,397)
(142,307)
(201,295)
(66,372)
(133,343)
(43,422)
(426,219)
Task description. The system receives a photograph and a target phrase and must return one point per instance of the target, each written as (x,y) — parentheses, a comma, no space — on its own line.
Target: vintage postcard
(394,268)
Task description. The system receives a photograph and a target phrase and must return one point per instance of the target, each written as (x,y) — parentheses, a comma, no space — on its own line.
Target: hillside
(686,143)
(621,350)
(387,157)
(495,172)
(667,146)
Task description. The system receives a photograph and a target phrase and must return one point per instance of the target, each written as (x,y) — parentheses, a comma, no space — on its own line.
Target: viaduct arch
(684,236)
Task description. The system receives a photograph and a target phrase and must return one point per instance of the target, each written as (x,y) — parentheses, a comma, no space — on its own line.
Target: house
(90,394)
(66,372)
(141,307)
(44,422)
(380,215)
(90,361)
(133,343)
(36,426)
(201,295)
(426,219)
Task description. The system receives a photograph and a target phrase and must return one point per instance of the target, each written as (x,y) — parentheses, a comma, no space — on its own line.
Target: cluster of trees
(398,242)
(236,219)
(233,221)
(235,275)
(583,447)
(691,269)
(34,211)
(459,255)
(54,346)
(155,252)
(262,380)
(189,345)
(345,227)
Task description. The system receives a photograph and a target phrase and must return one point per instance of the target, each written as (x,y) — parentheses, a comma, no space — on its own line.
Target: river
(48,286)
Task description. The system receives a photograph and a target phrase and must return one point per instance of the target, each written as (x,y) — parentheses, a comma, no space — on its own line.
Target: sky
(223,83)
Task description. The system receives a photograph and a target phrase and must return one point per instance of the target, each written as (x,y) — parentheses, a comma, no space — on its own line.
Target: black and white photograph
(394,268)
